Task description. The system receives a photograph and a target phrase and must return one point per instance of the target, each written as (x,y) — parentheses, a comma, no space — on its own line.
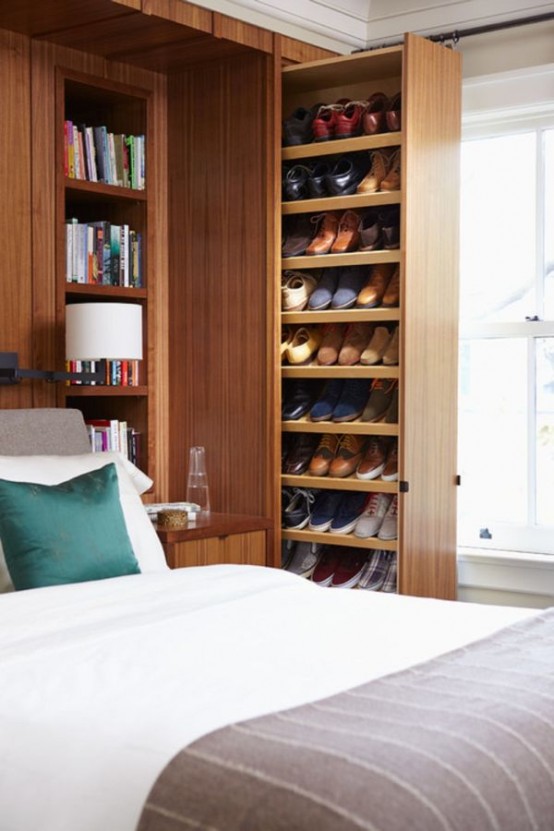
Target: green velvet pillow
(66,533)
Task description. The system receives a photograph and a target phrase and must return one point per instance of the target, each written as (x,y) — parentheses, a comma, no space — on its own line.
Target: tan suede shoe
(371,182)
(326,234)
(348,236)
(333,336)
(390,358)
(392,293)
(377,347)
(373,292)
(392,179)
(355,341)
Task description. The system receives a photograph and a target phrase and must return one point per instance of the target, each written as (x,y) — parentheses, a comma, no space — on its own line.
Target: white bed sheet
(102,683)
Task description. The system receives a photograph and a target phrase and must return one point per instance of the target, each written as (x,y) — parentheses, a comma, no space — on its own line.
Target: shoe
(390,357)
(287,550)
(374,513)
(322,296)
(317,180)
(333,336)
(297,513)
(298,127)
(325,120)
(325,405)
(324,455)
(390,227)
(392,412)
(298,232)
(389,527)
(348,513)
(392,179)
(286,496)
(371,183)
(348,233)
(346,175)
(327,225)
(392,114)
(371,237)
(389,584)
(352,400)
(305,343)
(297,401)
(391,296)
(373,461)
(296,288)
(381,395)
(389,472)
(376,347)
(373,120)
(305,558)
(295,183)
(349,569)
(327,565)
(350,282)
(324,509)
(349,120)
(375,571)
(300,452)
(287,333)
(373,291)
(348,455)
(356,339)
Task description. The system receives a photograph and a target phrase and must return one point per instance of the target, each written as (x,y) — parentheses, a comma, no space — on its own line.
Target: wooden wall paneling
(16,309)
(240,32)
(186,14)
(218,280)
(296,51)
(428,406)
(136,5)
(36,18)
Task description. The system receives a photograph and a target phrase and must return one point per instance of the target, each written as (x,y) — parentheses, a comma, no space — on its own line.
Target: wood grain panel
(15,206)
(131,4)
(186,14)
(428,405)
(296,51)
(244,33)
(38,18)
(218,281)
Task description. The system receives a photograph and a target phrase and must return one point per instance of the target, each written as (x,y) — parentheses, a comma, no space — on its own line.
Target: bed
(222,696)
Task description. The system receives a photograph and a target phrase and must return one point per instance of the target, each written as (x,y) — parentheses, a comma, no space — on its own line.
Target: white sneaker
(389,528)
(372,518)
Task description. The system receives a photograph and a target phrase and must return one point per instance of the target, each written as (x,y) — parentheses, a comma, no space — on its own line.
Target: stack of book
(116,373)
(94,154)
(112,434)
(104,253)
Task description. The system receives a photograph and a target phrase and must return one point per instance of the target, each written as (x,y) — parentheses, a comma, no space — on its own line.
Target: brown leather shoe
(333,336)
(348,236)
(355,341)
(380,160)
(349,454)
(374,458)
(373,120)
(392,179)
(373,292)
(326,234)
(393,115)
(324,455)
(300,452)
(392,293)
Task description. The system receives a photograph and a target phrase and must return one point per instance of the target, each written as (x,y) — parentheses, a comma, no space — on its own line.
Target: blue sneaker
(353,399)
(323,293)
(324,509)
(323,408)
(351,282)
(349,511)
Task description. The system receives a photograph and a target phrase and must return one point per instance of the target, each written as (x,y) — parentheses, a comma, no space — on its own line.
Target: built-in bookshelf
(102,217)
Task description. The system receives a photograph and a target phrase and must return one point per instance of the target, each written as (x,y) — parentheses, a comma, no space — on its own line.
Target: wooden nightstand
(221,538)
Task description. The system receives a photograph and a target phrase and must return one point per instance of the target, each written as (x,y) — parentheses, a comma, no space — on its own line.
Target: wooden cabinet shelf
(357,371)
(340,146)
(378,315)
(348,540)
(356,201)
(333,260)
(115,292)
(302,425)
(98,191)
(101,391)
(349,483)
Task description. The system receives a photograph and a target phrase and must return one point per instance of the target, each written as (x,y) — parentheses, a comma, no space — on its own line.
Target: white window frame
(496,105)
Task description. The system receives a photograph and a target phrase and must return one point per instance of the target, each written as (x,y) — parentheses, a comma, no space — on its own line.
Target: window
(506,415)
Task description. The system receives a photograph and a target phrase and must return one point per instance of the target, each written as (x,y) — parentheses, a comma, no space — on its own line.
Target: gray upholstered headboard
(43,431)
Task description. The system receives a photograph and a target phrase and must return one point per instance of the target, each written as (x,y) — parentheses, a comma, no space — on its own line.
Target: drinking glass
(197,481)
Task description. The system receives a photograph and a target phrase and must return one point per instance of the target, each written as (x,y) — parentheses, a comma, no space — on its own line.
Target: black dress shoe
(295,183)
(297,401)
(389,219)
(317,180)
(297,128)
(300,453)
(298,233)
(347,174)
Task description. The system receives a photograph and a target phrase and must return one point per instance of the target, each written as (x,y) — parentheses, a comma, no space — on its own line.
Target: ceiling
(347,25)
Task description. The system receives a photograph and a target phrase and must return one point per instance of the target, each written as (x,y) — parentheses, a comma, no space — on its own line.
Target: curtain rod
(457,34)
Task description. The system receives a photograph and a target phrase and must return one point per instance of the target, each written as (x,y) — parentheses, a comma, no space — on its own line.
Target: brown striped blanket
(464,742)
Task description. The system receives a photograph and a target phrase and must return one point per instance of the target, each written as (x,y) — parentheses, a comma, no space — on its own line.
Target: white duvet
(102,683)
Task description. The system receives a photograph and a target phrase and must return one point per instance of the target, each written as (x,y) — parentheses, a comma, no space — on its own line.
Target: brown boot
(326,233)
(373,292)
(348,236)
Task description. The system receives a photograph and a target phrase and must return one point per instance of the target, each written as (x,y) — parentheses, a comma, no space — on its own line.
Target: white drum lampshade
(98,331)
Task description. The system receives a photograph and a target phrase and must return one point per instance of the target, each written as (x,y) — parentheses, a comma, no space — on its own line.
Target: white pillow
(51,470)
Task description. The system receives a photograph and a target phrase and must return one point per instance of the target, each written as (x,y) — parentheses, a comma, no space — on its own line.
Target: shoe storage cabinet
(428,77)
